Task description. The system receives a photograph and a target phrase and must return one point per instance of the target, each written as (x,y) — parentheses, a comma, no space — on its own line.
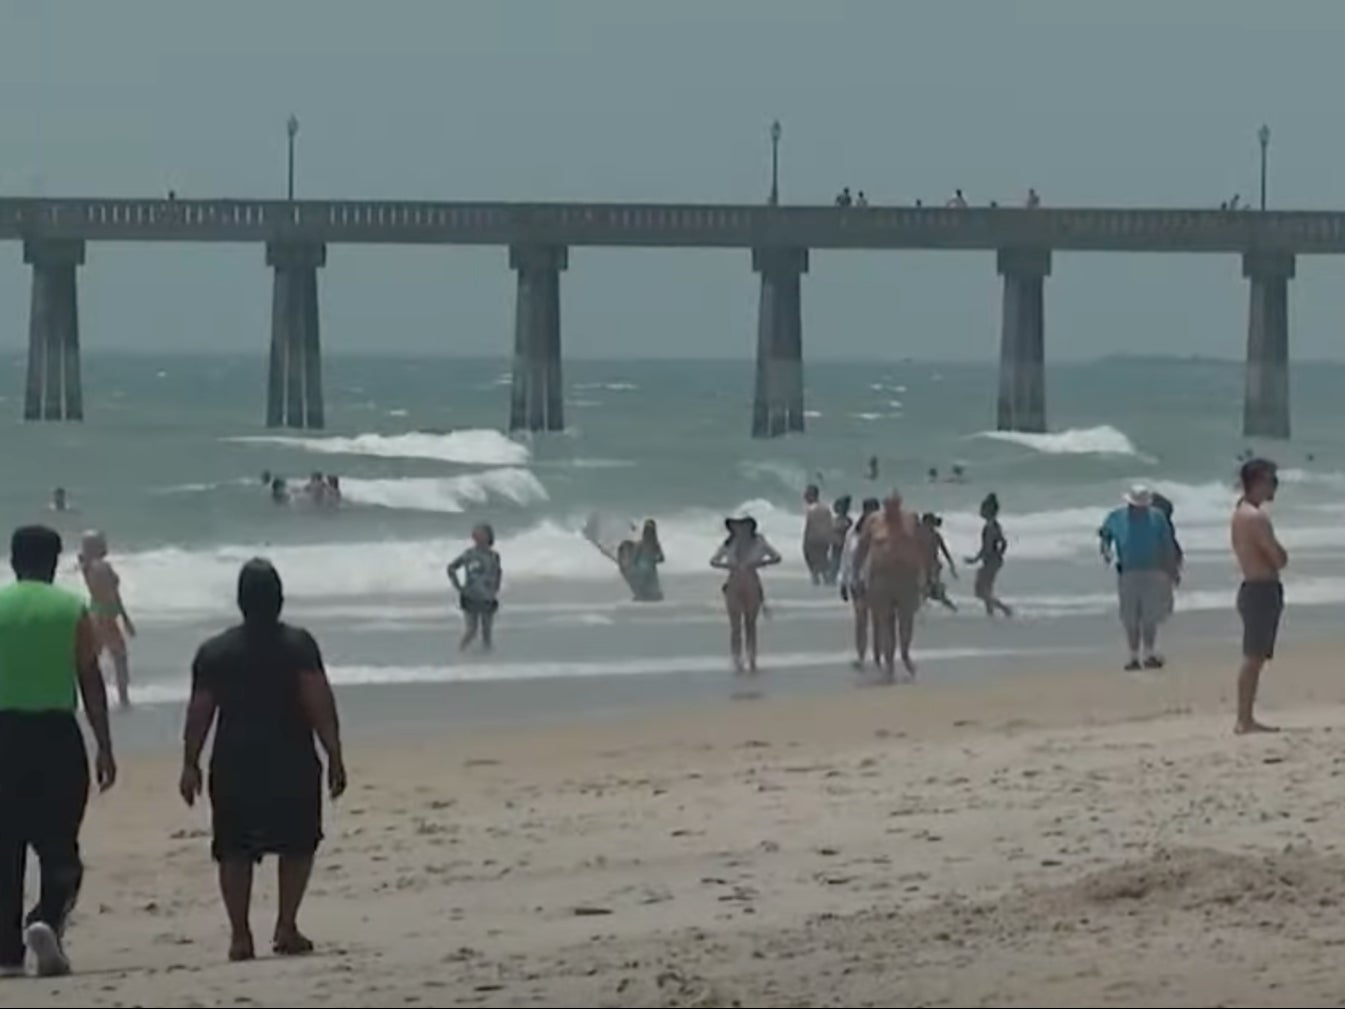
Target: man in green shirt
(48,655)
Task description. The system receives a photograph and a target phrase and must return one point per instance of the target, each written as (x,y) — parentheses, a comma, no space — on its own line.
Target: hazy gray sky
(1141,103)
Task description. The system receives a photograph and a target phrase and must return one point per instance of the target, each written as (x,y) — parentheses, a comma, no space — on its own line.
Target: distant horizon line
(988,360)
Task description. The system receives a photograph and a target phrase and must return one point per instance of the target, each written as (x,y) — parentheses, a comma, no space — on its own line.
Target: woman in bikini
(742,556)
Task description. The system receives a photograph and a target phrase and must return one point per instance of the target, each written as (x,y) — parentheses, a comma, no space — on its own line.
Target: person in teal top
(48,657)
(1137,538)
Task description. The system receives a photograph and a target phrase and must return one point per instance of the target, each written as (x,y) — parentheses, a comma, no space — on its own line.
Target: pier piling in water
(294,384)
(1265,411)
(777,404)
(1022,354)
(537,399)
(53,390)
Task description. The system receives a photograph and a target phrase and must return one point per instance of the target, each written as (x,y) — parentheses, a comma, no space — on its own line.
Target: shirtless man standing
(107,609)
(890,546)
(1261,597)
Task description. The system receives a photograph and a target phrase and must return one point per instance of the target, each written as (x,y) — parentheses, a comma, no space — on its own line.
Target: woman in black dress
(265,681)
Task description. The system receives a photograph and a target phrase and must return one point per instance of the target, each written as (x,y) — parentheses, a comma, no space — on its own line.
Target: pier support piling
(294,384)
(537,400)
(1022,355)
(53,390)
(777,405)
(1265,411)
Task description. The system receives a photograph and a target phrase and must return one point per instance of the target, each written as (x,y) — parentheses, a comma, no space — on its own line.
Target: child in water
(476,575)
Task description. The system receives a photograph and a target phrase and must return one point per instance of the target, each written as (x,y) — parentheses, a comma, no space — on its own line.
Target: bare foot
(291,942)
(1252,727)
(240,948)
(910,667)
(738,669)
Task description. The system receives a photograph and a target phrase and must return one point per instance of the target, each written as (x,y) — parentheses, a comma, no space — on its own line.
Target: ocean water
(168,465)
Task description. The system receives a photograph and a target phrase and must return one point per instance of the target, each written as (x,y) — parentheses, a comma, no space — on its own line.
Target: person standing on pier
(107,609)
(743,554)
(48,656)
(1261,597)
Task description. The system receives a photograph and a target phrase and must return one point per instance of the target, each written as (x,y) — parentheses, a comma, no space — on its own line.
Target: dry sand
(1053,840)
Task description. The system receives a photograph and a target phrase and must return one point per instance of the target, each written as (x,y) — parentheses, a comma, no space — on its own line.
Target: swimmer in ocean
(280,494)
(107,609)
(60,501)
(873,467)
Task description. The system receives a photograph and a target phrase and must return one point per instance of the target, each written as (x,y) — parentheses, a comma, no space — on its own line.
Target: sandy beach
(1081,838)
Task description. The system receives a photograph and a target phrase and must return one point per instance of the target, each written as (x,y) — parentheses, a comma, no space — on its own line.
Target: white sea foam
(445,494)
(1101,440)
(177,582)
(477,447)
(789,475)
(1336,481)
(478,672)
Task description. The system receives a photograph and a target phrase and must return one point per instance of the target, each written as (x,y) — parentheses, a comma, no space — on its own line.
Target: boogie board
(607,532)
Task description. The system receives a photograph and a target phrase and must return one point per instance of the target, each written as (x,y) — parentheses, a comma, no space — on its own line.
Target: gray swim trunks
(1145,597)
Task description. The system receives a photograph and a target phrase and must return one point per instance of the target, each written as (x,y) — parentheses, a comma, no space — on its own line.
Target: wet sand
(1092,839)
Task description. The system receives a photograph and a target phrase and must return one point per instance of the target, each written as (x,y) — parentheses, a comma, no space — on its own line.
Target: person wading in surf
(990,557)
(477,575)
(890,547)
(852,579)
(107,609)
(743,554)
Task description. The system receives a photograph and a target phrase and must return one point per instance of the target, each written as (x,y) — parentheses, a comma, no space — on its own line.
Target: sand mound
(1195,878)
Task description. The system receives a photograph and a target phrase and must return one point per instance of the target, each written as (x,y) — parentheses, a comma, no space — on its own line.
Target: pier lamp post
(292,129)
(776,130)
(1263,135)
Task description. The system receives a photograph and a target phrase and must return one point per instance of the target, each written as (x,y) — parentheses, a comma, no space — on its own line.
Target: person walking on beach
(107,609)
(262,685)
(851,578)
(1138,539)
(742,555)
(817,534)
(48,654)
(991,557)
(1261,596)
(476,575)
(889,550)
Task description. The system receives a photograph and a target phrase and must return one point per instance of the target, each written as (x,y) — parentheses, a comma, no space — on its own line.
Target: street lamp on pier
(1263,135)
(776,130)
(292,129)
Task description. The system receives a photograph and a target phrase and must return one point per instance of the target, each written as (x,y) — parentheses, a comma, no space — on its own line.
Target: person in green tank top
(48,659)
